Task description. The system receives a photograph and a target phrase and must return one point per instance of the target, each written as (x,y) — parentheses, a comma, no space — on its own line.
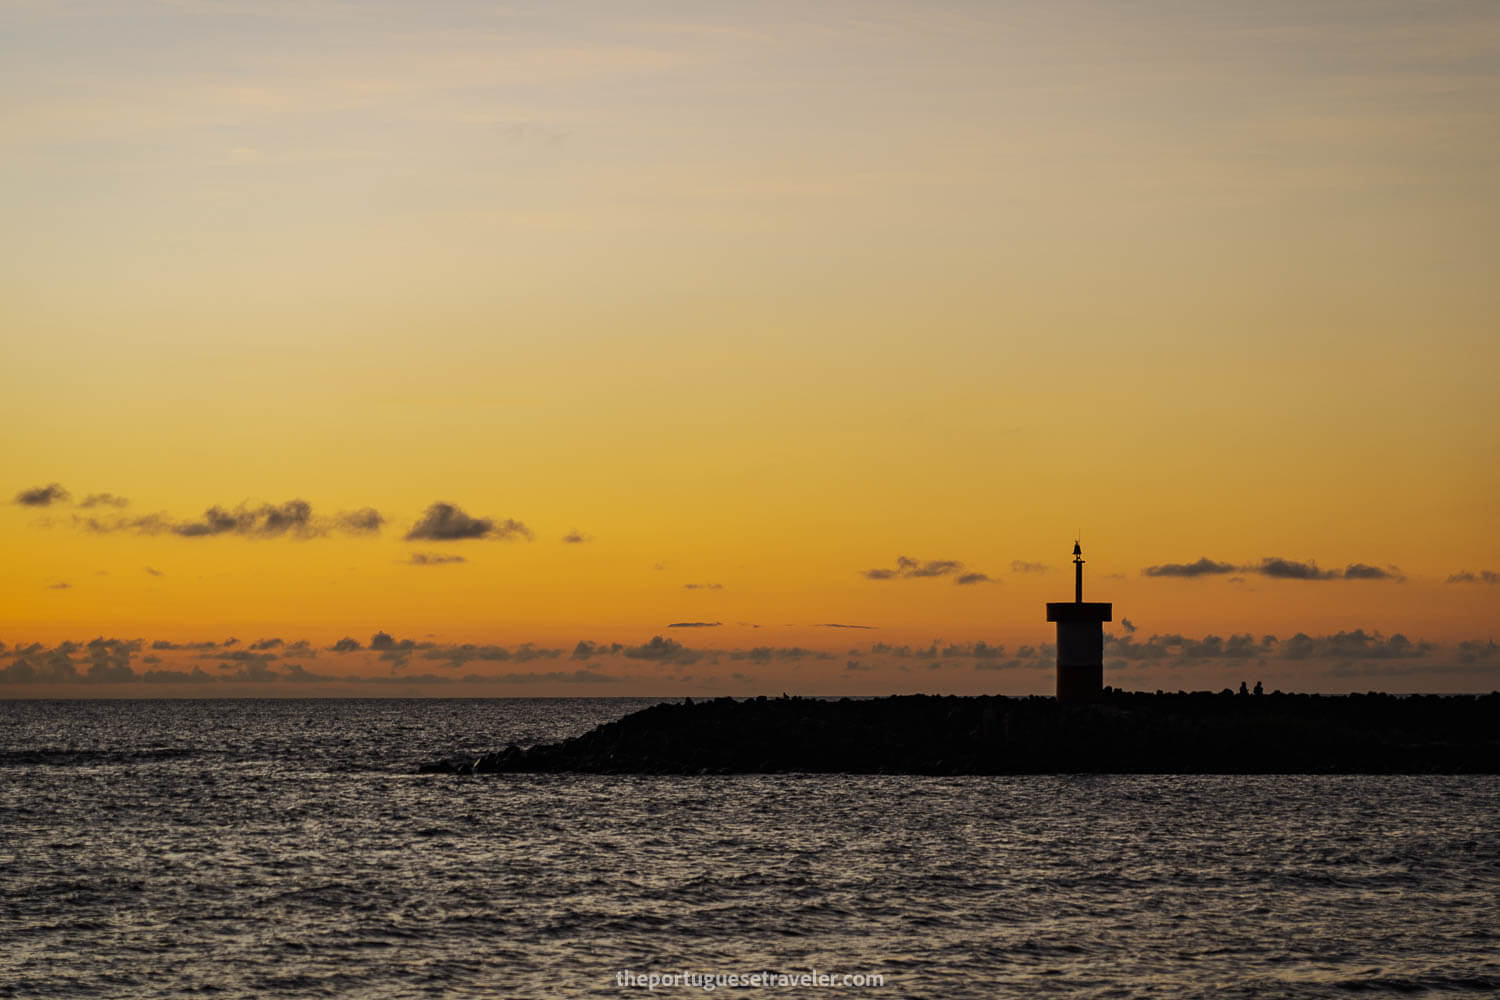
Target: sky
(666,349)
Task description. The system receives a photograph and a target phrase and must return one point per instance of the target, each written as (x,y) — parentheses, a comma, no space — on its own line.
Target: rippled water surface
(284,848)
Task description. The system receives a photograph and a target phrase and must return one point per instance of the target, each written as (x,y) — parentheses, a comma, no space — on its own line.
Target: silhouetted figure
(1259,689)
(1244,688)
(1080,640)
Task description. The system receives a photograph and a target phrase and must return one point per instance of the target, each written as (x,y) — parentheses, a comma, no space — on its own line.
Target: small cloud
(433,559)
(1360,571)
(103,500)
(365,521)
(263,644)
(1127,625)
(59,586)
(661,650)
(1203,567)
(1022,566)
(345,645)
(702,586)
(154,572)
(1288,569)
(576,537)
(443,522)
(695,625)
(1484,576)
(969,578)
(855,665)
(913,569)
(841,625)
(42,496)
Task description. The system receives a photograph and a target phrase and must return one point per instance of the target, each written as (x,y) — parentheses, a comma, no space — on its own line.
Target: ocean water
(287,849)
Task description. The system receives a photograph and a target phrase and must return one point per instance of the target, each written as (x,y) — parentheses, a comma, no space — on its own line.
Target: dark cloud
(1355,645)
(266,644)
(154,572)
(458,655)
(702,586)
(1484,576)
(1022,566)
(1473,650)
(917,569)
(168,644)
(196,676)
(841,625)
(103,500)
(855,665)
(1287,569)
(553,677)
(1360,571)
(977,650)
(1203,567)
(293,519)
(42,496)
(695,625)
(295,673)
(928,653)
(765,654)
(364,521)
(660,650)
(576,537)
(443,522)
(347,644)
(1127,625)
(433,559)
(257,673)
(586,650)
(238,656)
(60,586)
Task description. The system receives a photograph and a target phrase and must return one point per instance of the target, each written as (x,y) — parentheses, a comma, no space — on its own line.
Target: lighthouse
(1080,640)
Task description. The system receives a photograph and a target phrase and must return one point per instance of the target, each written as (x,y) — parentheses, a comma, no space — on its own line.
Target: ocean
(286,848)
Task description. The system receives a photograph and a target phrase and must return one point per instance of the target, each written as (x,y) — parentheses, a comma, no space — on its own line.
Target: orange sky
(762,298)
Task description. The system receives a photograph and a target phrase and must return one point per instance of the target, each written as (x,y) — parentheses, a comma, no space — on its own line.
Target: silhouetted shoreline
(1123,733)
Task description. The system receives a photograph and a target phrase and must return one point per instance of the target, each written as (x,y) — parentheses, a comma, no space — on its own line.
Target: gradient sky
(757,299)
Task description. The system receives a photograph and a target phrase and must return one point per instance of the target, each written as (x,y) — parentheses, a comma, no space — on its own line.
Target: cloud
(294,518)
(103,500)
(1021,566)
(552,677)
(702,586)
(1127,624)
(1360,571)
(154,572)
(662,650)
(586,650)
(1484,576)
(60,586)
(458,655)
(576,537)
(1355,645)
(266,644)
(42,496)
(695,625)
(765,654)
(1203,567)
(443,522)
(433,559)
(364,521)
(196,676)
(916,569)
(841,625)
(347,644)
(855,665)
(1287,569)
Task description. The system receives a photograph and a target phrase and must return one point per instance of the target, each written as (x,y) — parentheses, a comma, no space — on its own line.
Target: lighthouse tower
(1080,640)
